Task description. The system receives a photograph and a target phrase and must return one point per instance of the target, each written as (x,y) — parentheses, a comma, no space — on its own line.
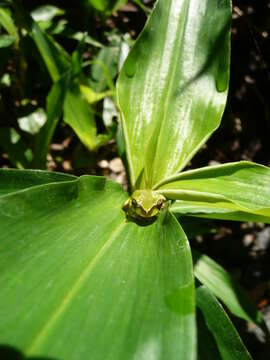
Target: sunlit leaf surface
(78,115)
(218,210)
(12,180)
(79,281)
(6,41)
(8,24)
(242,187)
(173,86)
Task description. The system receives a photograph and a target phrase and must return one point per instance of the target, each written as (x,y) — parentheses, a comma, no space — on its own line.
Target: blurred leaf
(121,145)
(45,15)
(33,122)
(109,112)
(6,40)
(54,109)
(104,69)
(54,56)
(77,58)
(241,186)
(99,4)
(91,96)
(5,80)
(59,27)
(19,154)
(7,22)
(182,54)
(142,6)
(78,114)
(78,35)
(125,45)
(228,341)
(226,289)
(46,12)
(12,180)
(107,6)
(14,136)
(68,256)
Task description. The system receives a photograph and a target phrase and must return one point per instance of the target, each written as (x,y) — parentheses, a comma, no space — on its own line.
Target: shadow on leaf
(8,352)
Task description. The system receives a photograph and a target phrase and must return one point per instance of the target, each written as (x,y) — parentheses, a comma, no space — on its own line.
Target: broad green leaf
(228,341)
(32,122)
(241,186)
(78,114)
(8,24)
(173,86)
(211,274)
(217,210)
(54,109)
(12,180)
(79,281)
(54,56)
(6,40)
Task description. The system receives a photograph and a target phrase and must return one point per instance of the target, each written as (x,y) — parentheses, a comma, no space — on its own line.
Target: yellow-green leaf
(173,86)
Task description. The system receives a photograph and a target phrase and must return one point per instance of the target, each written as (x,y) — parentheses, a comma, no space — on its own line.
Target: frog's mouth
(144,218)
(148,213)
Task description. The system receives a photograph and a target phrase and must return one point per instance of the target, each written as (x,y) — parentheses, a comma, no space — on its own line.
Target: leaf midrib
(52,319)
(173,67)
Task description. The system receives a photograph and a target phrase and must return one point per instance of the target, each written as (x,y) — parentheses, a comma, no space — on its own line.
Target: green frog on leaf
(144,205)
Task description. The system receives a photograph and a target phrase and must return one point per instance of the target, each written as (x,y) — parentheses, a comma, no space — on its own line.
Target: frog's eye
(159,204)
(134,202)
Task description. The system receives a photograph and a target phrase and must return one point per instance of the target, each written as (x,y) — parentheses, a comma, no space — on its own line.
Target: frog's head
(144,204)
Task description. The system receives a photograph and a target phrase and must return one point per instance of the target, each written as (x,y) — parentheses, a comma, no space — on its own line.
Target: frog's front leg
(125,207)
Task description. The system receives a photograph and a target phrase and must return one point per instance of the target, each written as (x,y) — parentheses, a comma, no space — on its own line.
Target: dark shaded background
(244,134)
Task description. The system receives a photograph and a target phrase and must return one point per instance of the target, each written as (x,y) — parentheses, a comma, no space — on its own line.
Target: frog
(144,205)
